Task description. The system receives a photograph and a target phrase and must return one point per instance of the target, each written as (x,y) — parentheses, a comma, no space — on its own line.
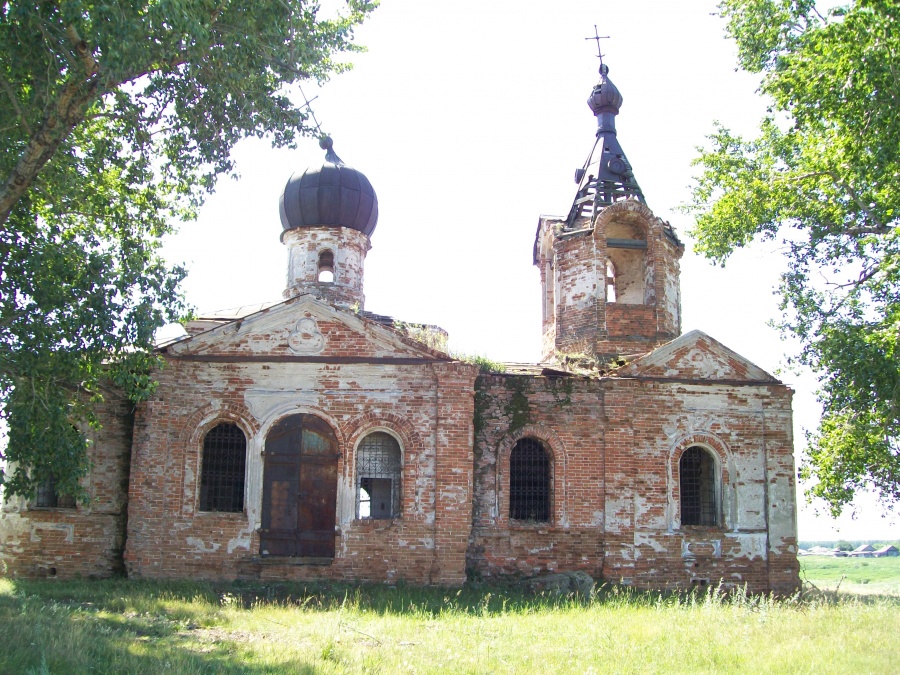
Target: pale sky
(469,118)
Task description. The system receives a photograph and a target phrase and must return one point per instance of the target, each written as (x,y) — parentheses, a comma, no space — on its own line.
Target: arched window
(378,476)
(222,473)
(697,483)
(326,266)
(529,481)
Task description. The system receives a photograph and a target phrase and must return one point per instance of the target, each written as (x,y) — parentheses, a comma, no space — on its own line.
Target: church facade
(311,439)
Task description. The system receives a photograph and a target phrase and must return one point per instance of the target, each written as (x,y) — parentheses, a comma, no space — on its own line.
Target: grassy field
(854,575)
(128,626)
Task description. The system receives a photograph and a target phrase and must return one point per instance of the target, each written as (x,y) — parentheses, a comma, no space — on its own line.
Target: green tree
(823,175)
(115,120)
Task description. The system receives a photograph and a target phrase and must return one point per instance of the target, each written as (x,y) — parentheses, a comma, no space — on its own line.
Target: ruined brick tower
(609,271)
(328,214)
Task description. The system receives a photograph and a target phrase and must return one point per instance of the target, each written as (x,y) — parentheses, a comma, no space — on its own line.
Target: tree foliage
(115,120)
(823,175)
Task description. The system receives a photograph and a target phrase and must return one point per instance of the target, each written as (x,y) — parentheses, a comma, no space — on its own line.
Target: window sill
(375,523)
(236,515)
(540,527)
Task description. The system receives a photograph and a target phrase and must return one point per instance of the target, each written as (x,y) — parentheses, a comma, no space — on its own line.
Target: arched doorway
(299,488)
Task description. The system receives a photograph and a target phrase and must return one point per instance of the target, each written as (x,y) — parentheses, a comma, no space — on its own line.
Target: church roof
(695,356)
(333,194)
(606,176)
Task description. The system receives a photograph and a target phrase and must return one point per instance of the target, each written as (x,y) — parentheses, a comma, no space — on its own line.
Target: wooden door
(299,489)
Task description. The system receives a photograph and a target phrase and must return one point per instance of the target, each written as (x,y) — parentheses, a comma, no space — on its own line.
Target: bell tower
(610,277)
(327,215)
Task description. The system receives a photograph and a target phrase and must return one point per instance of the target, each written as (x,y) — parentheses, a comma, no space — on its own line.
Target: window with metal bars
(529,481)
(48,497)
(378,477)
(697,476)
(222,473)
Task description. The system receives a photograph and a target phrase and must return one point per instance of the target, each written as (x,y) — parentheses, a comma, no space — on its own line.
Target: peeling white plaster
(752,544)
(645,539)
(242,540)
(198,546)
(13,527)
(67,528)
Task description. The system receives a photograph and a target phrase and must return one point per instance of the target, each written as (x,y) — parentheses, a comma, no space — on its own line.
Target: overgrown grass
(134,626)
(856,575)
(487,366)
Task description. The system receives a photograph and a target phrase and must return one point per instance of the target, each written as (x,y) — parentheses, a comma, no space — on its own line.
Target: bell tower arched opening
(326,266)
(626,251)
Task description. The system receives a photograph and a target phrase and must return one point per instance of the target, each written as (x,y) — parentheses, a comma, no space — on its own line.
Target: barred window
(529,481)
(378,477)
(222,473)
(697,476)
(48,497)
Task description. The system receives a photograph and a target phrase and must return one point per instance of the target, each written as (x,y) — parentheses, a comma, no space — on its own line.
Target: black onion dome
(334,195)
(605,96)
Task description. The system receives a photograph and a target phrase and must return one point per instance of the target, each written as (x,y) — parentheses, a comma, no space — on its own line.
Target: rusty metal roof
(606,176)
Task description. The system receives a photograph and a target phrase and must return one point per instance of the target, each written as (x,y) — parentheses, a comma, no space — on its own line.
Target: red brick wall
(615,445)
(427,407)
(85,541)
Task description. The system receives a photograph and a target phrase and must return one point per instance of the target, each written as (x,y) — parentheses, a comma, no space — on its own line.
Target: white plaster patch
(13,527)
(454,494)
(618,517)
(66,528)
(752,544)
(645,539)
(242,540)
(540,549)
(198,546)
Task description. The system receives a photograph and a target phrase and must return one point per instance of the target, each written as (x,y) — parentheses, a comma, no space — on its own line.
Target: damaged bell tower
(610,269)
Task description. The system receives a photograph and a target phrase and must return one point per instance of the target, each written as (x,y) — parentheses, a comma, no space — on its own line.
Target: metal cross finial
(307,103)
(598,37)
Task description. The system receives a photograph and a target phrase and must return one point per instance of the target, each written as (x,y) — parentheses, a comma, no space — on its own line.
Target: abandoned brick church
(310,439)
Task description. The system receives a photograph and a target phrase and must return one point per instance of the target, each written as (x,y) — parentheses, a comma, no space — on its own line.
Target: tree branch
(56,126)
(84,53)
(867,229)
(15,103)
(839,182)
